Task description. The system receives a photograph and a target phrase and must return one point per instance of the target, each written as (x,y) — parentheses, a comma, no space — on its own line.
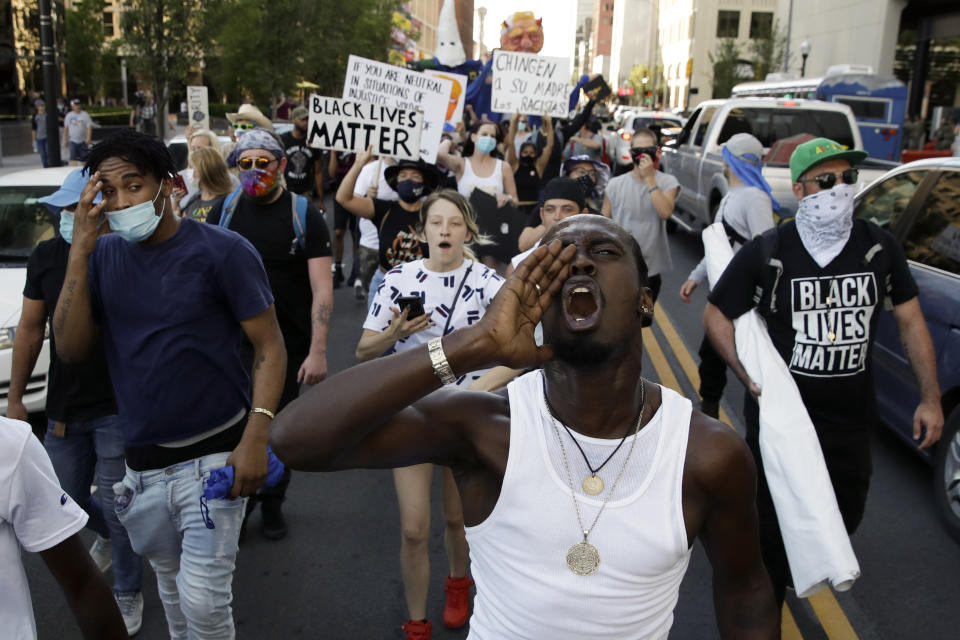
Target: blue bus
(878,102)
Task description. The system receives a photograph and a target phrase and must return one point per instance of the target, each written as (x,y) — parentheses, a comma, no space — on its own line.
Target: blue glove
(220,482)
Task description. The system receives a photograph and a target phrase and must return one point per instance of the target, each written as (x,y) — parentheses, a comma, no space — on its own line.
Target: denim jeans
(375,282)
(193,550)
(97,443)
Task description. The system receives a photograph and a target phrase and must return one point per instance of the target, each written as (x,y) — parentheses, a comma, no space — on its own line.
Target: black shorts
(343,219)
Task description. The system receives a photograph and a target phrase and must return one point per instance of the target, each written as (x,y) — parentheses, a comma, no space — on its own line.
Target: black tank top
(528,184)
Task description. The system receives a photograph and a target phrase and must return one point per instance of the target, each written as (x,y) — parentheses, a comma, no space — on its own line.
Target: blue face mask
(66,225)
(136,223)
(485,144)
(521,126)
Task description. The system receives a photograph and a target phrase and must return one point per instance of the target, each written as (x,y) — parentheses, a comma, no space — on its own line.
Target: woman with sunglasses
(448,290)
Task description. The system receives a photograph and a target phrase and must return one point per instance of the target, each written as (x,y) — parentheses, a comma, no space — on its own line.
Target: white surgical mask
(824,221)
(136,223)
(66,225)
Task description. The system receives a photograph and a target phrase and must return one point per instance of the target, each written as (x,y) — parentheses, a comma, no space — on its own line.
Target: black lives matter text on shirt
(834,377)
(397,231)
(74,392)
(301,163)
(270,229)
(832,317)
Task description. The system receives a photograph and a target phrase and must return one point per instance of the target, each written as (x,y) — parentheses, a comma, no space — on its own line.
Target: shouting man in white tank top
(583,485)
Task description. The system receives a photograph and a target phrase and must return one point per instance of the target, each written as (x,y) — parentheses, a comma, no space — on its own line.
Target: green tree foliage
(725,61)
(88,61)
(163,41)
(768,50)
(266,46)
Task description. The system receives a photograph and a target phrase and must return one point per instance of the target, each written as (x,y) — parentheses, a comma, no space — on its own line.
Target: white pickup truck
(694,157)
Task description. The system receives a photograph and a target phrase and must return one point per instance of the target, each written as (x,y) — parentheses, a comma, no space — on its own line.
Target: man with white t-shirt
(36,514)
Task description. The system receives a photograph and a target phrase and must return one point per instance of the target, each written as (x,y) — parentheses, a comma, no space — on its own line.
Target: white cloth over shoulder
(818,547)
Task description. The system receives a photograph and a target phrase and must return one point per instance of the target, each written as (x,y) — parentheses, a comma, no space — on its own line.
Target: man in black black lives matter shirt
(823,278)
(304,170)
(296,255)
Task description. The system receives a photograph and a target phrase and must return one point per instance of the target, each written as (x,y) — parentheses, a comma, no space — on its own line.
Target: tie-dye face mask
(258,183)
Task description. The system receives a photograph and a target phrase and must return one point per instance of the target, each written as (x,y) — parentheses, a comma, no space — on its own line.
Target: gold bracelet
(265,412)
(439,361)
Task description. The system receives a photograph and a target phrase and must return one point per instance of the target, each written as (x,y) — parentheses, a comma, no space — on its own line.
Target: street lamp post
(804,52)
(643,98)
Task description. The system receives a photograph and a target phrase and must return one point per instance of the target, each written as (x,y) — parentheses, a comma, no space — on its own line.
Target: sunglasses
(259,162)
(828,180)
(244,125)
(644,151)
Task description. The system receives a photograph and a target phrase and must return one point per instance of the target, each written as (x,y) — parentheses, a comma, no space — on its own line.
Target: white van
(24,223)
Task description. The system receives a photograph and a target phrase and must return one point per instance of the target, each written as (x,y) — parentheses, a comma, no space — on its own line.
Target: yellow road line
(660,364)
(682,353)
(832,618)
(788,626)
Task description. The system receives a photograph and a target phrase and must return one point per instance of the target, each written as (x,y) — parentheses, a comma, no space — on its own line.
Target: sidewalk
(20,163)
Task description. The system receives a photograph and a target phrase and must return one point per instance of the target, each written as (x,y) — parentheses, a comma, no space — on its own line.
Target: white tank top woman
(492,184)
(524,588)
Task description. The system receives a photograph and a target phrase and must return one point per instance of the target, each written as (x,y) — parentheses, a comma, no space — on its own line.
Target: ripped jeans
(192,550)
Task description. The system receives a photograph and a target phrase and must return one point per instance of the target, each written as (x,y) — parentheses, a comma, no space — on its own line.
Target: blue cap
(68,193)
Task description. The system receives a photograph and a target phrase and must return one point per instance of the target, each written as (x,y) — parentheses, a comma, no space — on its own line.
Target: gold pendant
(592,484)
(832,336)
(583,558)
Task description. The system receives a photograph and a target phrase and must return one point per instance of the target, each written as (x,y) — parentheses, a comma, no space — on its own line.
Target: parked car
(694,157)
(919,203)
(24,223)
(658,121)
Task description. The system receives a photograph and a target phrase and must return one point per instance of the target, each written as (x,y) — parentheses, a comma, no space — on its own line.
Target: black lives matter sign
(832,317)
(349,125)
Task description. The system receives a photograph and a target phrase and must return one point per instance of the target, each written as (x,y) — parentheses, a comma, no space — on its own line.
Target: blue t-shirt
(170,315)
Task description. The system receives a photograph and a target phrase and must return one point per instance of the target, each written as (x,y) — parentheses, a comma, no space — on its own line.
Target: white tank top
(469,181)
(518,554)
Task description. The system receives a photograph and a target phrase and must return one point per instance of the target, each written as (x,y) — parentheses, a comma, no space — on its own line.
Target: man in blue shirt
(171,300)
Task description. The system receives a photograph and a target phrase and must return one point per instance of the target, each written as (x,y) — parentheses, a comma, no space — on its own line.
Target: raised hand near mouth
(515,312)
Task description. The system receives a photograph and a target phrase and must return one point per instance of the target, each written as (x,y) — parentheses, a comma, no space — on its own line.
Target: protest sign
(530,84)
(458,95)
(349,125)
(597,88)
(391,86)
(198,107)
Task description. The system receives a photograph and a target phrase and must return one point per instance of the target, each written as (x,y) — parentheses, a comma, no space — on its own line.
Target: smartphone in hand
(415,304)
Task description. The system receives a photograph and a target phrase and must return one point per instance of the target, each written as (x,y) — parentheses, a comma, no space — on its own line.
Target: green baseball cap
(813,152)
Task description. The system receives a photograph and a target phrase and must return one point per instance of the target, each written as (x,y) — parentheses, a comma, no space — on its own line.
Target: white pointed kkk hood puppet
(449,46)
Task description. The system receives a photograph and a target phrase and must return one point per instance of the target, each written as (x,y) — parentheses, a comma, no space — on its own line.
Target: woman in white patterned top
(454,290)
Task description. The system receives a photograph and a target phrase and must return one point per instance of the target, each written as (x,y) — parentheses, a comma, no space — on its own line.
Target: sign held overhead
(198,107)
(349,125)
(391,86)
(530,84)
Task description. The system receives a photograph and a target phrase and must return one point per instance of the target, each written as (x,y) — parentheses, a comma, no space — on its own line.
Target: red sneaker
(417,629)
(456,612)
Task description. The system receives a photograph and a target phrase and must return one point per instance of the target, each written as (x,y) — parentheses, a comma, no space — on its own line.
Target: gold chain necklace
(583,558)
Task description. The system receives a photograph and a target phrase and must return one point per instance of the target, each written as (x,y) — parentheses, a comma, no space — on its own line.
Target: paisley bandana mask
(824,221)
(259,183)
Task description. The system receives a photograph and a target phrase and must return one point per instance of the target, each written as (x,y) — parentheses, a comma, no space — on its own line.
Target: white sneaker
(100,552)
(131,608)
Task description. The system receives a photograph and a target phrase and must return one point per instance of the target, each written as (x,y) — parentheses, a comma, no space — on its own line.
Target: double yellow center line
(828,611)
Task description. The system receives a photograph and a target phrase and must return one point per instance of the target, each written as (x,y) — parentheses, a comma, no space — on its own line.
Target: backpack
(298,209)
(875,259)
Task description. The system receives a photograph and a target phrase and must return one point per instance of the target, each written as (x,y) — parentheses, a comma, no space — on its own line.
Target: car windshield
(24,222)
(656,124)
(770,125)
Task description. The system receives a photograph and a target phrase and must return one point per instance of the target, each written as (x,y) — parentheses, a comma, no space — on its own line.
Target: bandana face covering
(824,221)
(258,183)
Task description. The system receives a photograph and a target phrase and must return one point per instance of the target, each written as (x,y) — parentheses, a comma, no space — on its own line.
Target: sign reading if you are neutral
(530,84)
(349,125)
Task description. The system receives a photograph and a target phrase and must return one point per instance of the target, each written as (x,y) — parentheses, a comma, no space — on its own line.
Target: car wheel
(946,475)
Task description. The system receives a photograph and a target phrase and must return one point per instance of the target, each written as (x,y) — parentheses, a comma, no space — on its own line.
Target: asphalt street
(337,574)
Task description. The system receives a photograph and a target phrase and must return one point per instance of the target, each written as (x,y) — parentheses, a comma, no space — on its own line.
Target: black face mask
(527,160)
(409,190)
(587,184)
(638,152)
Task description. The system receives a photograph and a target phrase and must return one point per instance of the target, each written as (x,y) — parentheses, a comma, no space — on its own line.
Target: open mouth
(581,303)
(444,245)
